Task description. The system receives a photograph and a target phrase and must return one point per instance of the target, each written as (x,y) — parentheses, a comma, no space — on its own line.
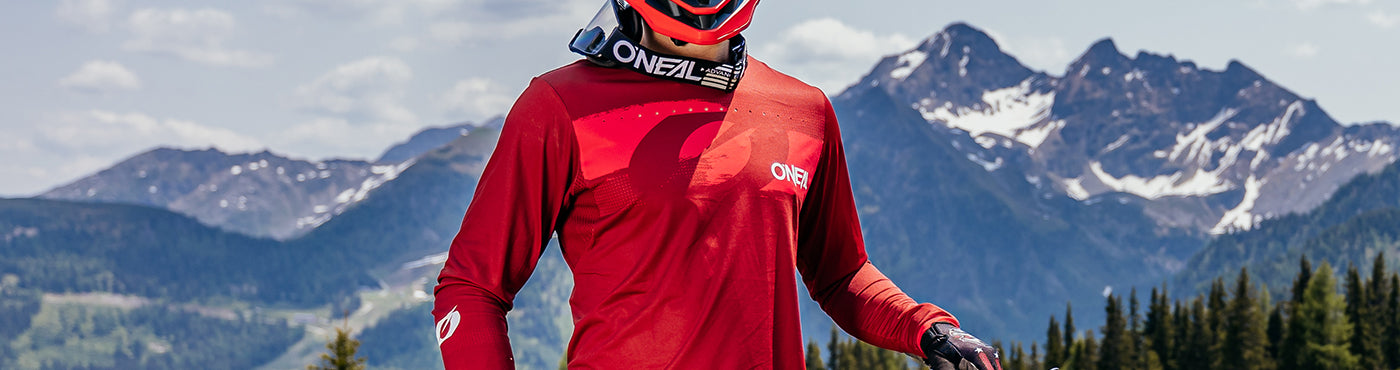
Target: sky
(88,83)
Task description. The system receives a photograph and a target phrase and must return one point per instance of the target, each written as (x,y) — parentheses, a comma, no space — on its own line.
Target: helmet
(704,22)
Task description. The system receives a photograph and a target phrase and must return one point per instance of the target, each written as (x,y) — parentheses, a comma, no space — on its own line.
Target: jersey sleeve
(511,217)
(835,269)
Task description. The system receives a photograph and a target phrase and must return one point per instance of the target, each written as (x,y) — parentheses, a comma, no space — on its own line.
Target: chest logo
(786,172)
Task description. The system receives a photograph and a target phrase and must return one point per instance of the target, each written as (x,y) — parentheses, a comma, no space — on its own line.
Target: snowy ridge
(324,212)
(1200,183)
(1016,113)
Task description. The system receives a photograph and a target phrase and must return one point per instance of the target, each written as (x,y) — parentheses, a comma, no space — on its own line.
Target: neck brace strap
(622,52)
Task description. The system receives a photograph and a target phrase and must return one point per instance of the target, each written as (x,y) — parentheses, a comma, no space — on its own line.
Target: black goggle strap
(626,53)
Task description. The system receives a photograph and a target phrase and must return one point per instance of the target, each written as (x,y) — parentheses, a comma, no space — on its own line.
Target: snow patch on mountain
(1015,112)
(907,62)
(1200,183)
(1273,132)
(986,165)
(383,174)
(1241,218)
(1196,144)
(1074,188)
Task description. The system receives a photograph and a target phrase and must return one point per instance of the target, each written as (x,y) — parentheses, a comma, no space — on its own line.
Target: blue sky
(90,82)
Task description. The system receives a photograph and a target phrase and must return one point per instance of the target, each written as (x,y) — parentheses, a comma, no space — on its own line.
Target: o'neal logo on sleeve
(448,325)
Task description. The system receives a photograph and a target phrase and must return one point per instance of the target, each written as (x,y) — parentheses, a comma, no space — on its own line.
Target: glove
(946,347)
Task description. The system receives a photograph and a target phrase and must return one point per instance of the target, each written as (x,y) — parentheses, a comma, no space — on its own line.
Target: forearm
(471,328)
(870,307)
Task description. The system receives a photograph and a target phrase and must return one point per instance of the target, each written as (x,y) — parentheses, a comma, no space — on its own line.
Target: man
(688,184)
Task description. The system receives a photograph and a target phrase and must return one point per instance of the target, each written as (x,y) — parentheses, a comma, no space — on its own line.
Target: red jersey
(685,214)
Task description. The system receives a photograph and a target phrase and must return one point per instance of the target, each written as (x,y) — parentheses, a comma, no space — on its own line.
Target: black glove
(946,347)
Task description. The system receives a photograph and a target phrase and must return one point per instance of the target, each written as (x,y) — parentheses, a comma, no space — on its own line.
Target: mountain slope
(432,138)
(259,194)
(935,216)
(1359,222)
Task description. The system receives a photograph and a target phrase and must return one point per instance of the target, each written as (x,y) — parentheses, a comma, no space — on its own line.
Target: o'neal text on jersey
(653,64)
(790,173)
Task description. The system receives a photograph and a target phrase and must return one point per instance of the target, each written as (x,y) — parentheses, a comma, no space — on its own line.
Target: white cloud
(476,98)
(110,133)
(1304,50)
(450,23)
(453,31)
(92,15)
(100,76)
(383,12)
(193,35)
(828,53)
(1382,19)
(404,44)
(364,91)
(1046,53)
(70,145)
(357,110)
(1313,4)
(318,137)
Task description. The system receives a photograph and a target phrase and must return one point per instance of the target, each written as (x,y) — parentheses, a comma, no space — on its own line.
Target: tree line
(1318,326)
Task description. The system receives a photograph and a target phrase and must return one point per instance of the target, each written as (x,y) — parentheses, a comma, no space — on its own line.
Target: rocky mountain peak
(954,66)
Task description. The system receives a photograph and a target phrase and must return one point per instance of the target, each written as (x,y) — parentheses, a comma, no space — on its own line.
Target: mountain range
(997,191)
(259,194)
(1211,151)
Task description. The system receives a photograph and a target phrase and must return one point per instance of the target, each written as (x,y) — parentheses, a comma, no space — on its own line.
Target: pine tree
(1158,327)
(1392,333)
(1300,284)
(814,356)
(833,349)
(1181,321)
(1245,335)
(1365,341)
(1295,332)
(1215,317)
(1114,354)
(1034,362)
(1275,332)
(1069,329)
(342,354)
(1016,360)
(1136,350)
(1054,347)
(1377,289)
(1195,345)
(1089,359)
(1327,330)
(1263,309)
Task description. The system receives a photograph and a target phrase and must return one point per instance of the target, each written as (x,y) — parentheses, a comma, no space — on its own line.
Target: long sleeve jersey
(685,214)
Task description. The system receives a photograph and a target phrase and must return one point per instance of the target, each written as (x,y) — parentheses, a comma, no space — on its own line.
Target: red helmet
(705,22)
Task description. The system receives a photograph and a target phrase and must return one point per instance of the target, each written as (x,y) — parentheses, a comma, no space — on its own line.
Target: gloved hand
(946,347)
